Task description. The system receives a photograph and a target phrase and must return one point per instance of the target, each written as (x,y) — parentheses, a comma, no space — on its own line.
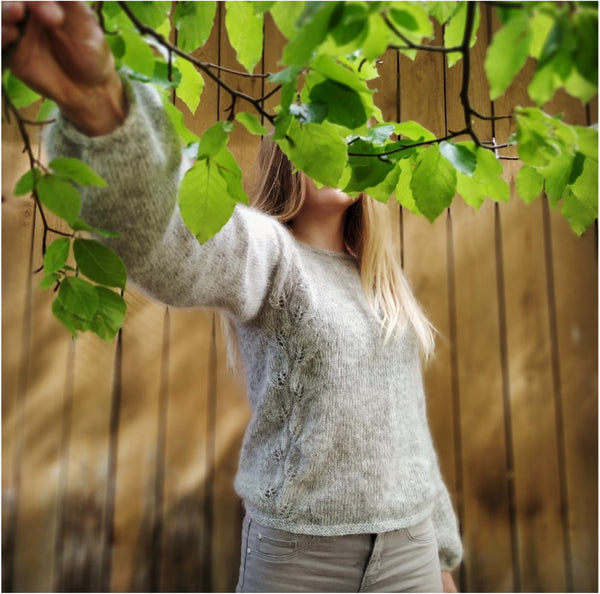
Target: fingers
(49,14)
(12,14)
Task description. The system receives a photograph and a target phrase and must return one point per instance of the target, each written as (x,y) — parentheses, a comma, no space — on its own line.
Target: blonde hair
(279,191)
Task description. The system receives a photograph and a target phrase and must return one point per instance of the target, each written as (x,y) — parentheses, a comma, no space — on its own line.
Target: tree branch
(33,163)
(204,66)
(405,147)
(410,45)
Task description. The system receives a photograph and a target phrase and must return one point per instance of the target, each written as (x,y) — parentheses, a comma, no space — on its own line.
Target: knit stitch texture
(338,441)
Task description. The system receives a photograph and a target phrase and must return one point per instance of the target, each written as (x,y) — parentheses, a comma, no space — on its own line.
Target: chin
(334,196)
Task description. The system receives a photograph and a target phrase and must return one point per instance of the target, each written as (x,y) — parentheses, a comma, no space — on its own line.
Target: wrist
(98,110)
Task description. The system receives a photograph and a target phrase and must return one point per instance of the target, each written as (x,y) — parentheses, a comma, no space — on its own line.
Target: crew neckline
(343,256)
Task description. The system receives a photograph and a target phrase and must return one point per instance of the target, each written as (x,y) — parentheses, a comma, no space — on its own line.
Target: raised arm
(121,130)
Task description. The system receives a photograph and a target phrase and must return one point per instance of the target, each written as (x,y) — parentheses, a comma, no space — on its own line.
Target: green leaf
(251,123)
(19,93)
(309,112)
(587,141)
(60,196)
(488,172)
(214,139)
(76,303)
(49,281)
(245,31)
(138,57)
(305,145)
(585,186)
(556,176)
(56,255)
(412,19)
(585,51)
(403,192)
(151,13)
(578,87)
(455,31)
(441,11)
(27,182)
(110,314)
(460,156)
(340,73)
(204,201)
(379,134)
(366,171)
(285,15)
(541,24)
(164,77)
(433,182)
(344,105)
(194,22)
(537,141)
(375,42)
(507,54)
(76,171)
(579,212)
(414,131)
(47,110)
(384,189)
(99,263)
(176,117)
(473,192)
(529,183)
(315,23)
(232,174)
(191,86)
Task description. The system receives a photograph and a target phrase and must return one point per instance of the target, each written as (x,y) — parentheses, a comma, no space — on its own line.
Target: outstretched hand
(59,50)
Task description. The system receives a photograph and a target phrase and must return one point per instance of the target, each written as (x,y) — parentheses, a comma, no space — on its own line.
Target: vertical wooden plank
(572,281)
(533,413)
(18,227)
(41,427)
(186,542)
(134,504)
(36,375)
(231,410)
(84,495)
(477,366)
(422,98)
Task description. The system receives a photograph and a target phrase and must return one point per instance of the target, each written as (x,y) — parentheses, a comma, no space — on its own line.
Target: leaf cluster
(81,303)
(326,119)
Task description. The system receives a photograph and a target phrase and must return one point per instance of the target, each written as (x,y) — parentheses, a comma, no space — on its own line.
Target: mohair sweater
(338,441)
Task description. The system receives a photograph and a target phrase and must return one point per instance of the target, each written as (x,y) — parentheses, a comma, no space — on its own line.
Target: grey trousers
(404,560)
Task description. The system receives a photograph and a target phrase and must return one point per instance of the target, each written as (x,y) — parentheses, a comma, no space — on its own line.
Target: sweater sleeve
(141,163)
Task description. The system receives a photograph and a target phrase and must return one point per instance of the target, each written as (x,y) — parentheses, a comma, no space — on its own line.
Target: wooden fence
(118,458)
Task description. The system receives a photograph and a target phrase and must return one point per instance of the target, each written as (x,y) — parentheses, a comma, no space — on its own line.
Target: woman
(337,471)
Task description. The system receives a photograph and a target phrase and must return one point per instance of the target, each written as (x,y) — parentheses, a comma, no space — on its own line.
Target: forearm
(140,162)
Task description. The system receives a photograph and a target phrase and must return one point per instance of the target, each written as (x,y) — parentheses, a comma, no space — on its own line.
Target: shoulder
(256,226)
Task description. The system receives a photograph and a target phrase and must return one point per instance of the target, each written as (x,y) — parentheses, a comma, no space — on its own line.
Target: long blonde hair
(279,191)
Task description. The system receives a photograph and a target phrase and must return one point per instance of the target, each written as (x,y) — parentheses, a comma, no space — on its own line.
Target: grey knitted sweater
(338,442)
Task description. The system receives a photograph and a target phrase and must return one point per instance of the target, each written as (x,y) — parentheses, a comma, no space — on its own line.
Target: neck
(321,230)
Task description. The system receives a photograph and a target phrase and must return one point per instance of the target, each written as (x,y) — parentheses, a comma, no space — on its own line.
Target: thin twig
(204,66)
(33,163)
(405,147)
(410,45)
(466,56)
(492,117)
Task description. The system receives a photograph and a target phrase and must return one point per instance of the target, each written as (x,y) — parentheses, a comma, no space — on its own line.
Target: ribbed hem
(338,529)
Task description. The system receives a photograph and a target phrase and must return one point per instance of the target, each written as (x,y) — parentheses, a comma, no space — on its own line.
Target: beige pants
(404,560)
